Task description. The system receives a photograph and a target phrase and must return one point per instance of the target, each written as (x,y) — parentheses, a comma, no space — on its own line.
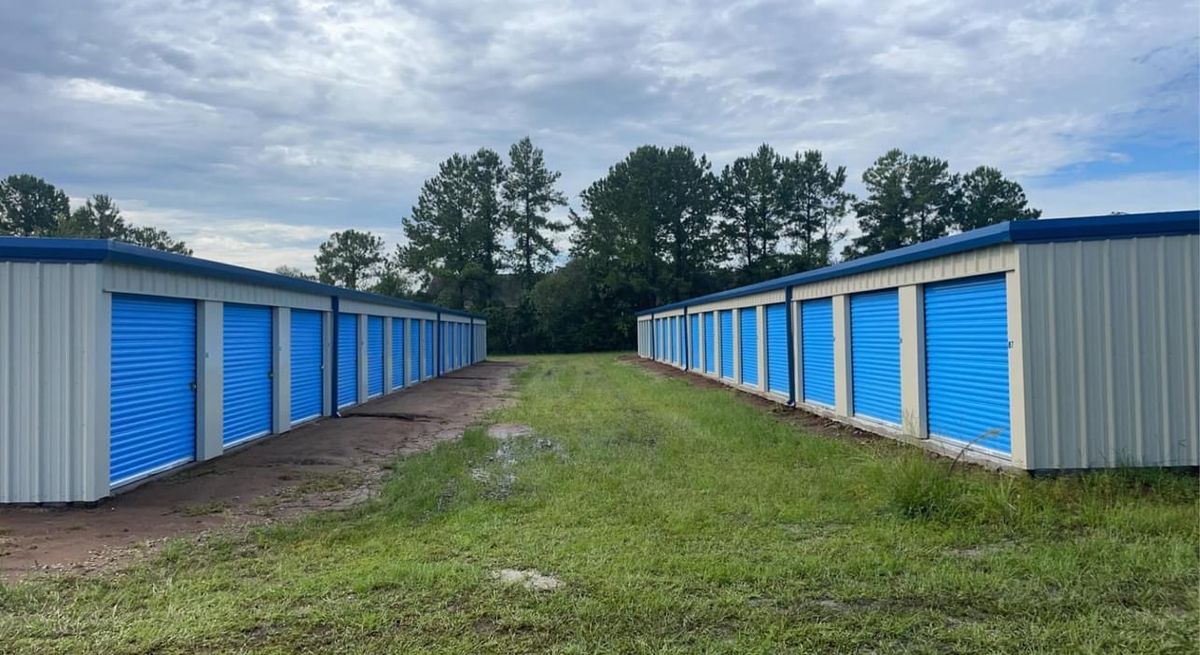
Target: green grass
(680,519)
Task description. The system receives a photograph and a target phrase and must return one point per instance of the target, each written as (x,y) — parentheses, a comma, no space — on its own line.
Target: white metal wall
(53,383)
(1111,366)
(121,278)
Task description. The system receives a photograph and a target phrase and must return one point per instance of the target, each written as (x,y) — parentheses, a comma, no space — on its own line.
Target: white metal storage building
(118,362)
(1048,344)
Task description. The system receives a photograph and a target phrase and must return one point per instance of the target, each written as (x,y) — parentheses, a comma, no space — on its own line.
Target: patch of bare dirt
(327,465)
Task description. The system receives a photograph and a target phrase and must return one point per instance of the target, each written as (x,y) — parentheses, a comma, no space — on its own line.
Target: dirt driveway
(330,464)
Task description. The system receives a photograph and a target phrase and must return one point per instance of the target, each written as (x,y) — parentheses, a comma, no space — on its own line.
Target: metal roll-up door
(308,373)
(727,348)
(347,369)
(246,386)
(778,379)
(152,411)
(966,361)
(709,355)
(414,351)
(397,353)
(816,347)
(748,351)
(875,355)
(661,336)
(671,339)
(429,352)
(374,356)
(694,339)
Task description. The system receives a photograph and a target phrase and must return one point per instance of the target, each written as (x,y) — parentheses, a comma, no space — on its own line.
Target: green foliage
(30,206)
(529,195)
(813,203)
(752,205)
(913,198)
(292,271)
(349,258)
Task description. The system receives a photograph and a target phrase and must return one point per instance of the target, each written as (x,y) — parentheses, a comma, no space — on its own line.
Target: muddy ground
(329,464)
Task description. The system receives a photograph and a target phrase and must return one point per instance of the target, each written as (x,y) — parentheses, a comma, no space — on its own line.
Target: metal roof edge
(1046,230)
(55,249)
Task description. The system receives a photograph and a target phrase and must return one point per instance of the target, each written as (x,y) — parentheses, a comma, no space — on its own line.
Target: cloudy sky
(254,129)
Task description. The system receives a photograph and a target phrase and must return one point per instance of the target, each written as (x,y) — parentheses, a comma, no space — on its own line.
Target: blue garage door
(816,336)
(429,360)
(748,355)
(397,353)
(875,355)
(347,370)
(709,356)
(672,340)
(694,339)
(966,361)
(247,382)
(414,351)
(374,356)
(778,379)
(727,344)
(308,379)
(152,419)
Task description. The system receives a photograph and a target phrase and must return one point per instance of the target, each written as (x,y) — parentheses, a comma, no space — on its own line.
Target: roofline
(1080,228)
(54,249)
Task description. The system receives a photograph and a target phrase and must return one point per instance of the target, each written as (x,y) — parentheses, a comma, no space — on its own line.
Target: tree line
(661,225)
(32,207)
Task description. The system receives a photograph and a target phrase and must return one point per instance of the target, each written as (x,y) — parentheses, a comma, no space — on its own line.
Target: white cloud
(329,114)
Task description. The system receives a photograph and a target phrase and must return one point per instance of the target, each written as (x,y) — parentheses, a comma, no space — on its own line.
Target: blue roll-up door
(748,353)
(397,353)
(308,376)
(429,359)
(374,356)
(710,356)
(778,379)
(347,371)
(414,351)
(727,344)
(966,361)
(694,339)
(152,411)
(671,339)
(247,382)
(816,337)
(875,355)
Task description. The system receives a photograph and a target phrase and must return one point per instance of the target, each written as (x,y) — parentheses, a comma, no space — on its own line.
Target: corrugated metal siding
(153,386)
(374,356)
(816,320)
(53,403)
(347,372)
(358,307)
(709,339)
(1110,337)
(967,264)
(727,349)
(779,379)
(397,353)
(308,375)
(748,354)
(875,355)
(122,278)
(752,300)
(246,387)
(966,361)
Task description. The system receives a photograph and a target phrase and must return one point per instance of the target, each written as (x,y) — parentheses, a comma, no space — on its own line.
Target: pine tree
(529,195)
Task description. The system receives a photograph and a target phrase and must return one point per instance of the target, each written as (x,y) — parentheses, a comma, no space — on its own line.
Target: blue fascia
(1085,228)
(53,249)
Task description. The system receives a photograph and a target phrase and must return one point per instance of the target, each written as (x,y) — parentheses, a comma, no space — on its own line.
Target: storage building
(1049,344)
(118,363)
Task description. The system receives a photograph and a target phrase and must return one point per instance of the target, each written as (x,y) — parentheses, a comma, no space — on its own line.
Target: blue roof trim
(50,249)
(1085,228)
